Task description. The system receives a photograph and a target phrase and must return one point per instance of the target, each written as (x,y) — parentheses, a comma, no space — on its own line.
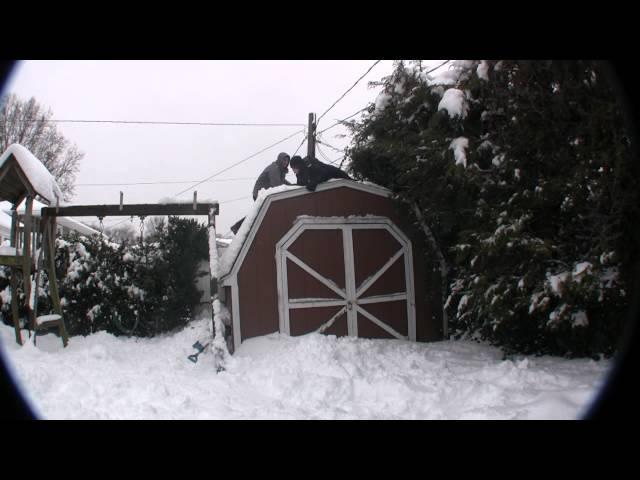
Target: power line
(340,121)
(365,108)
(238,163)
(327,158)
(329,146)
(322,153)
(343,95)
(336,161)
(143,122)
(235,199)
(157,183)
(301,143)
(436,68)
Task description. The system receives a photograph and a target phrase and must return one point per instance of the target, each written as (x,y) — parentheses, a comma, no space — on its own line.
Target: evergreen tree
(518,173)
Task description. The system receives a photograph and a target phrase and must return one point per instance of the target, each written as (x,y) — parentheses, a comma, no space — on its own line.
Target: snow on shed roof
(231,252)
(37,174)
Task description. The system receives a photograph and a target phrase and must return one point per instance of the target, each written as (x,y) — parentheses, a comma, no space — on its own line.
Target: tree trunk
(431,239)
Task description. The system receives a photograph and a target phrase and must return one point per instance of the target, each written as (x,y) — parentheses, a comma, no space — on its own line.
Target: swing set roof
(22,174)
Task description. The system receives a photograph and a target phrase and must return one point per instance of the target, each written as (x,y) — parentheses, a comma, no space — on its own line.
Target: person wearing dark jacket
(311,172)
(273,175)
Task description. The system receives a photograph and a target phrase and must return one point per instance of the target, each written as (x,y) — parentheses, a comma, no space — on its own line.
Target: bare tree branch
(28,123)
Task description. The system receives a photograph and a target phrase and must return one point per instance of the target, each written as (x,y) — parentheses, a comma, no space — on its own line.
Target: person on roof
(311,171)
(273,175)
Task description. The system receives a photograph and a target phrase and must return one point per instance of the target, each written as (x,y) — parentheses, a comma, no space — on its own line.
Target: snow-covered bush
(130,289)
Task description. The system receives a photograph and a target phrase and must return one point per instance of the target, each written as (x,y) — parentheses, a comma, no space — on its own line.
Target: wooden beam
(13,260)
(49,243)
(26,252)
(211,231)
(141,209)
(14,306)
(14,280)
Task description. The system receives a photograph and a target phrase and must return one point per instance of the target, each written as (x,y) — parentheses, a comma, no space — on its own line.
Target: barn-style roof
(242,241)
(22,174)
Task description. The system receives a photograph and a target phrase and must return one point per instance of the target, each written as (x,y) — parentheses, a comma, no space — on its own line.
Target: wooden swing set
(31,250)
(32,241)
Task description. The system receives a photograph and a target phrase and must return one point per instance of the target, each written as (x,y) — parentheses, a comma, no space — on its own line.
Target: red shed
(336,261)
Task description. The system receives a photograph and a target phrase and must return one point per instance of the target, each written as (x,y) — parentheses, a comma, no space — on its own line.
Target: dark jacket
(314,172)
(272,176)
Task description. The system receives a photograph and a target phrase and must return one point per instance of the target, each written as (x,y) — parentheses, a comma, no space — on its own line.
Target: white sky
(190,91)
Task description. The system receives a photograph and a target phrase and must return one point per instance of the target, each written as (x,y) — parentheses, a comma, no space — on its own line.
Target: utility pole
(311,139)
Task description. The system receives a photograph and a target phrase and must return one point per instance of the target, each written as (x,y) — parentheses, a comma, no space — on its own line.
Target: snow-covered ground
(281,377)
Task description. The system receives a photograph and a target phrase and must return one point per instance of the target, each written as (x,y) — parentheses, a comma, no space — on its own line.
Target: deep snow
(308,377)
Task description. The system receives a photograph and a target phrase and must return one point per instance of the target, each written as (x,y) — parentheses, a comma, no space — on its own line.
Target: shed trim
(235,314)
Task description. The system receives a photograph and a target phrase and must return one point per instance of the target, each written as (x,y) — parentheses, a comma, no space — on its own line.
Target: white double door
(304,249)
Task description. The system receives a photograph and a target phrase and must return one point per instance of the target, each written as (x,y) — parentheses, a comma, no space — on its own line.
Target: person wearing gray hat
(273,175)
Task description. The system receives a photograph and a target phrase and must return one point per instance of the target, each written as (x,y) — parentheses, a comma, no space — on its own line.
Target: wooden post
(311,139)
(26,255)
(50,254)
(195,200)
(213,250)
(121,199)
(14,281)
(14,306)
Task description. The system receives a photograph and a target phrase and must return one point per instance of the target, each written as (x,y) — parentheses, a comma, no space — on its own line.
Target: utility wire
(329,146)
(344,119)
(365,108)
(156,183)
(235,199)
(322,153)
(343,95)
(436,68)
(143,122)
(238,163)
(303,140)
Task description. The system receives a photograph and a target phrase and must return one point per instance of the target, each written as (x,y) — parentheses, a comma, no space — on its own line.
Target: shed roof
(242,240)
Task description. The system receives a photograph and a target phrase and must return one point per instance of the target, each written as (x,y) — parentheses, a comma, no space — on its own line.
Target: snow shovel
(198,346)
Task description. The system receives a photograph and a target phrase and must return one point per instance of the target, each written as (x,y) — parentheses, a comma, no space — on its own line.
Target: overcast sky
(190,91)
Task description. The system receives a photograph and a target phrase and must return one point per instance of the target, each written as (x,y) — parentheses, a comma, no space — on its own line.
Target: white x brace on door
(353,296)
